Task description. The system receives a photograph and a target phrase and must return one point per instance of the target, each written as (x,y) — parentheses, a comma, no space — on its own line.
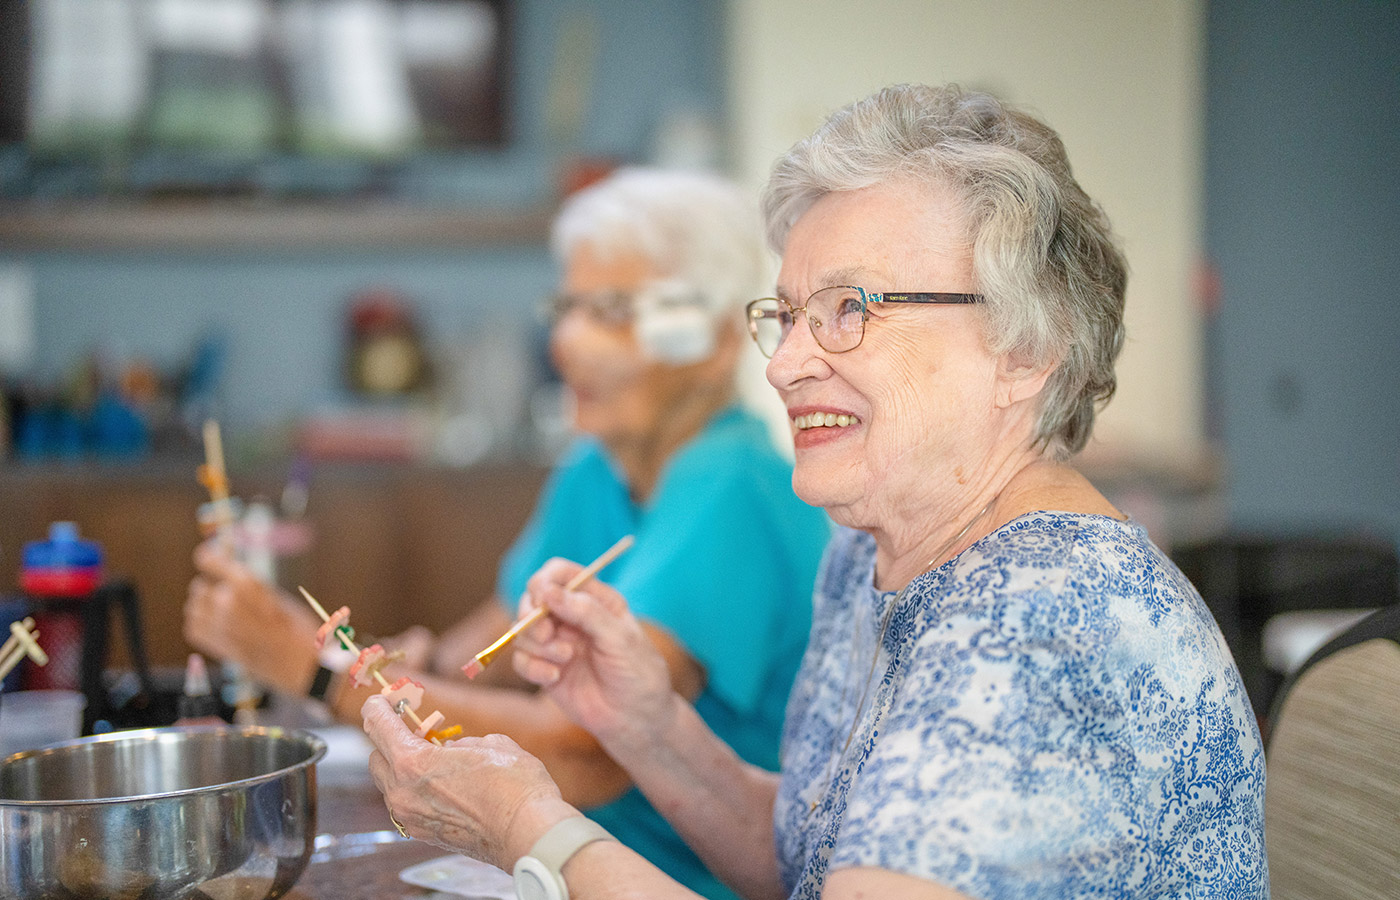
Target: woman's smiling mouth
(823,420)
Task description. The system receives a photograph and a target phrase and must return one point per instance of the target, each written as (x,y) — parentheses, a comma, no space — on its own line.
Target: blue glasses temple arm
(922,297)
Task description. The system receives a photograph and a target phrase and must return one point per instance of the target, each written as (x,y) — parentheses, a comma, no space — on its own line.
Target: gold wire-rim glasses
(839,320)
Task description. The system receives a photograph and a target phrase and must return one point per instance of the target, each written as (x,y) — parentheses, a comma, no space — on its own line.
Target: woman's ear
(1018,379)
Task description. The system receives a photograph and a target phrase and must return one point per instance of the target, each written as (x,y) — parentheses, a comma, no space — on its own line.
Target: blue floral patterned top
(1053,713)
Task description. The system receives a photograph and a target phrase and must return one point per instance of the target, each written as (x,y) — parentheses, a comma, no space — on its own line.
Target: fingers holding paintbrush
(483,659)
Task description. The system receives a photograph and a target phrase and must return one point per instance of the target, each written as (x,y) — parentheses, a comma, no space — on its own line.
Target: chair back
(1332,802)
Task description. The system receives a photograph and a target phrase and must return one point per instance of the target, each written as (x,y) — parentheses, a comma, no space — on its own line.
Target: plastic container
(33,719)
(65,565)
(59,575)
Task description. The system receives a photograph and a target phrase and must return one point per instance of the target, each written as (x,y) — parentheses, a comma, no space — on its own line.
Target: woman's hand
(594,659)
(484,797)
(230,614)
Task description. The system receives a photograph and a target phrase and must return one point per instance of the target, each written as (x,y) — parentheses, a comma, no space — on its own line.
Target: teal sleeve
(581,510)
(725,564)
(528,552)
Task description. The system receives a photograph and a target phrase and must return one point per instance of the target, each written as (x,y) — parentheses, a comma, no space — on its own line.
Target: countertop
(359,855)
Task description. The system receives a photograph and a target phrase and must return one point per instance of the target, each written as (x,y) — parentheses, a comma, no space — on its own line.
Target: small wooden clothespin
(23,641)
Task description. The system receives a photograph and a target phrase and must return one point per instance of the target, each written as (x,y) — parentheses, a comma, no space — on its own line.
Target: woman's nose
(798,356)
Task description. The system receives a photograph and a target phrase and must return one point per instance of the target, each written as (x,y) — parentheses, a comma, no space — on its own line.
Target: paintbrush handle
(539,612)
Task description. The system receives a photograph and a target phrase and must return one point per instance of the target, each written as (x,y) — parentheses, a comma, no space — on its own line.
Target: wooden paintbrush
(483,659)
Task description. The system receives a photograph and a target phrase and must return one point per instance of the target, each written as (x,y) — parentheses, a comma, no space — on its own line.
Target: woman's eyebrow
(845,275)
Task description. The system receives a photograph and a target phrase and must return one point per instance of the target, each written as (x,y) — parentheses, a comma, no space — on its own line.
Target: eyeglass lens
(836,316)
(612,308)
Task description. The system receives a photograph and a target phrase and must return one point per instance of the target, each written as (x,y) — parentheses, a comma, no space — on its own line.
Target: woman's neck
(1020,484)
(643,456)
(948,517)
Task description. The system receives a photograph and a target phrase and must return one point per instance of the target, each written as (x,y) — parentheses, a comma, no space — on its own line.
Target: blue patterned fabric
(1053,713)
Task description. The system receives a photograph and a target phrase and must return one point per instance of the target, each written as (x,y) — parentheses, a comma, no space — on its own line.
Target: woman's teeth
(824,420)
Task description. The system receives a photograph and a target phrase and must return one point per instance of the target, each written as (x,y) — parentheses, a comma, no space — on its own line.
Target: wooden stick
(349,644)
(214,456)
(483,659)
(216,474)
(9,644)
(215,478)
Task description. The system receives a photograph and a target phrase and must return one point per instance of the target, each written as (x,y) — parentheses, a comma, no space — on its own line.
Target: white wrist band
(539,874)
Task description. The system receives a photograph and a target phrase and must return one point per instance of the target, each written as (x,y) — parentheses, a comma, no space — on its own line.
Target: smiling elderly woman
(1008,692)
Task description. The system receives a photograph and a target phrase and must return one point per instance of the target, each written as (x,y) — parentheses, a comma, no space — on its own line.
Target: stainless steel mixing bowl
(222,812)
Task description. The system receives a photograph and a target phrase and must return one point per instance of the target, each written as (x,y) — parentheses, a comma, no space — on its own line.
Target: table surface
(373,854)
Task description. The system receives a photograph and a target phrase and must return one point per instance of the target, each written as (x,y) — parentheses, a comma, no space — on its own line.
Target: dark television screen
(191,93)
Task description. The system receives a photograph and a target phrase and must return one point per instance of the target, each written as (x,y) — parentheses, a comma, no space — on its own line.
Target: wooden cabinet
(399,545)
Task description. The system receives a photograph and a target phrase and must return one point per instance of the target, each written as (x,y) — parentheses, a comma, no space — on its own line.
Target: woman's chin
(594,418)
(821,486)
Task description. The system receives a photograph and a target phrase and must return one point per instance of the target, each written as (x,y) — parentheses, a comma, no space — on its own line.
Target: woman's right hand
(232,615)
(593,658)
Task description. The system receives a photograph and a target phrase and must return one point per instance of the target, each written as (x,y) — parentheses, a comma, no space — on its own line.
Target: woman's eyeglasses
(836,315)
(611,308)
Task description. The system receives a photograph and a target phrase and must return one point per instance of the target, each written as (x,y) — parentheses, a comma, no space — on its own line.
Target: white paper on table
(347,755)
(463,876)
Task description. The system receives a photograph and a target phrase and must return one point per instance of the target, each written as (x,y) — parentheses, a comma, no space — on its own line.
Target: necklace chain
(875,654)
(957,537)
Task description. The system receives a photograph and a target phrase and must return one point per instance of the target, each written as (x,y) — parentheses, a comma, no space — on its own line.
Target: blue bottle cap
(63,550)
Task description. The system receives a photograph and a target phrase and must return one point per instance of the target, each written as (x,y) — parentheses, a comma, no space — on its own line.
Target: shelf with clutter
(224,225)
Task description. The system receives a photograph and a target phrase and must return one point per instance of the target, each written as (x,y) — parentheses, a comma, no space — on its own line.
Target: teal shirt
(725,559)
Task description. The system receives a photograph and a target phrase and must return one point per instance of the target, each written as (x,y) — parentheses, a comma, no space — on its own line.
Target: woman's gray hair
(1044,255)
(694,227)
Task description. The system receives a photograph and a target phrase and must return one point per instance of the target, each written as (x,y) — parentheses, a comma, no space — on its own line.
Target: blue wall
(282,312)
(1303,221)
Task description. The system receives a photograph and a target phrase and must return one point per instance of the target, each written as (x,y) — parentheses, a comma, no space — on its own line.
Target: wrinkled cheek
(594,362)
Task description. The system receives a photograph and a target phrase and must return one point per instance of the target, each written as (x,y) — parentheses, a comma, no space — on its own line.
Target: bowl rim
(316,744)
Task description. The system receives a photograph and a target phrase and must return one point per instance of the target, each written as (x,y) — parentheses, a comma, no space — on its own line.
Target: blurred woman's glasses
(610,308)
(836,315)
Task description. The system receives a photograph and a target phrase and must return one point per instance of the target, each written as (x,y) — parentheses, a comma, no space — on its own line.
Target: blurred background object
(231,95)
(385,353)
(1280,597)
(59,576)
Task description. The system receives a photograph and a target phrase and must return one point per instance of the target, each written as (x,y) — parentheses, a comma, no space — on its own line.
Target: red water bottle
(60,576)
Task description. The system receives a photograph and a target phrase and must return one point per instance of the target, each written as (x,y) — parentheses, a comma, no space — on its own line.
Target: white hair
(695,228)
(1044,255)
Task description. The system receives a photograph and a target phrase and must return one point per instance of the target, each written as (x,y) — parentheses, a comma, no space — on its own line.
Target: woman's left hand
(484,797)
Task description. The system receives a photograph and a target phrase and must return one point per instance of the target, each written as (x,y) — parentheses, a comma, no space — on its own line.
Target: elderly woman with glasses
(647,335)
(1009,691)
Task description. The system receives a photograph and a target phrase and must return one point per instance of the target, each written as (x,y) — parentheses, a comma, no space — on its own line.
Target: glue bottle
(197,703)
(60,576)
